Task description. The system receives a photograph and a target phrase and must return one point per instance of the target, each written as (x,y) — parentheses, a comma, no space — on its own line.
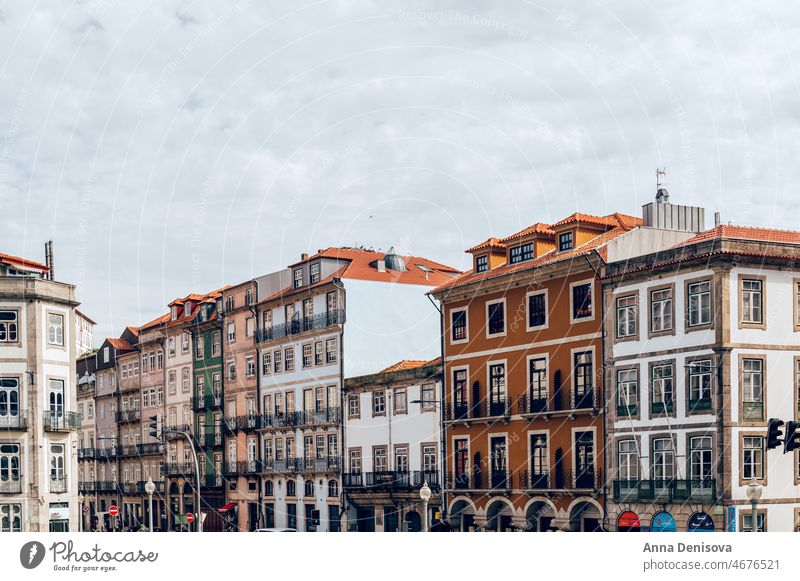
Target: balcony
(170,432)
(459,481)
(106,486)
(301,325)
(128,451)
(482,410)
(753,411)
(129,488)
(535,480)
(211,440)
(700,405)
(290,465)
(330,464)
(105,454)
(177,469)
(86,453)
(160,487)
(390,480)
(206,401)
(61,421)
(242,468)
(248,423)
(85,487)
(58,484)
(665,490)
(11,485)
(17,421)
(285,420)
(152,449)
(319,417)
(125,416)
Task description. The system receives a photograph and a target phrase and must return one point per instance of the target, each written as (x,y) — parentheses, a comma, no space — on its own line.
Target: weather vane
(660,172)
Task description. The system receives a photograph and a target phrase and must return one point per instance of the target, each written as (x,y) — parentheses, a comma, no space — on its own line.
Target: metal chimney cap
(662,195)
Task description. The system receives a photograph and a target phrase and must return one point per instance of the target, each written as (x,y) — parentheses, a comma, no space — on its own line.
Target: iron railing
(398,480)
(86,453)
(16,421)
(212,439)
(328,464)
(170,432)
(665,490)
(289,465)
(300,325)
(152,449)
(206,401)
(177,469)
(160,487)
(12,485)
(108,486)
(61,421)
(124,416)
(58,484)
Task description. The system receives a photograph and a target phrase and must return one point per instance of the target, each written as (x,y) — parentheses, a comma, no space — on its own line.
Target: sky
(173,147)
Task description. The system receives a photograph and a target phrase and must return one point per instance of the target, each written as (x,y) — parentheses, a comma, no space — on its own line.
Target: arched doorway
(700,522)
(462,516)
(628,522)
(498,516)
(538,517)
(585,516)
(663,522)
(413,521)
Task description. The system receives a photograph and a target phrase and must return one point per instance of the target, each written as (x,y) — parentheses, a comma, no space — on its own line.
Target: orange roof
(538,228)
(120,344)
(622,224)
(133,330)
(403,365)
(610,221)
(22,262)
(155,322)
(745,233)
(489,243)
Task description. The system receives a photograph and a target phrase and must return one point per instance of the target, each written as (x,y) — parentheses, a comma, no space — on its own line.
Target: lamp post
(754,490)
(425,495)
(81,500)
(150,488)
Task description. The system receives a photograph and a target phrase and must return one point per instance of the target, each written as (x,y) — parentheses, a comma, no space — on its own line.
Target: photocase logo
(31,554)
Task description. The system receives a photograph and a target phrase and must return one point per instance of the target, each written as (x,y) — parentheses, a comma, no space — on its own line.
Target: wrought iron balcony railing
(300,325)
(11,485)
(58,484)
(151,449)
(328,464)
(86,453)
(61,421)
(177,469)
(290,465)
(18,420)
(170,432)
(665,490)
(125,416)
(206,401)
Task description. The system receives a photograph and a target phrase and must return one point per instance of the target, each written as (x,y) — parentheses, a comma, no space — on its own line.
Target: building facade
(392,438)
(38,400)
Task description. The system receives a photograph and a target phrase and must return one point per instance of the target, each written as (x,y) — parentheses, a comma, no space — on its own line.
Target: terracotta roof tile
(120,344)
(489,243)
(610,221)
(745,233)
(538,228)
(404,364)
(22,262)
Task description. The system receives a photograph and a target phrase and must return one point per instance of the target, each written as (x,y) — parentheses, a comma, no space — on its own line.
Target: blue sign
(731,519)
(663,522)
(700,522)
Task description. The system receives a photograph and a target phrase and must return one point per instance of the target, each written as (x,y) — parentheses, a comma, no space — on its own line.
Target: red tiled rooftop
(489,243)
(120,344)
(612,220)
(745,233)
(538,228)
(22,262)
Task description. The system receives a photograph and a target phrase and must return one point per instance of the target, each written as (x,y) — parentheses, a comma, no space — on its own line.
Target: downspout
(443,439)
(342,411)
(258,401)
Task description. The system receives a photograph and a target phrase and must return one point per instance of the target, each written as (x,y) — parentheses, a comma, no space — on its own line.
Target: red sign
(113,510)
(190,518)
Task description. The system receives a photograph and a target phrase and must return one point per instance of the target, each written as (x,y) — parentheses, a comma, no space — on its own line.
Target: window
(400,401)
(482,263)
(458,331)
(752,389)
(10,518)
(333,446)
(330,350)
(521,253)
(171,346)
(229,304)
(318,353)
(106,352)
(582,301)
(308,314)
(401,458)
(250,366)
(8,328)
(185,339)
(627,392)
(497,389)
(307,355)
(9,402)
(288,359)
(699,303)
(538,461)
(565,241)
(250,326)
(9,467)
(269,489)
(699,385)
(747,521)
(537,310)
(55,329)
(291,488)
(314,273)
(160,359)
(308,488)
(460,389)
(231,332)
(267,320)
(248,297)
(461,462)
(172,383)
(626,317)
(428,397)
(537,385)
(378,403)
(752,458)
(57,470)
(355,460)
(752,301)
(429,457)
(277,357)
(661,389)
(298,277)
(56,401)
(661,310)
(331,301)
(663,459)
(584,380)
(231,371)
(380,459)
(354,406)
(627,460)
(333,488)
(700,458)
(496,317)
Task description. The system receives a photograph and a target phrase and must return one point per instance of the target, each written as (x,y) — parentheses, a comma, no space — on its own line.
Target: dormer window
(521,253)
(187,309)
(565,241)
(248,297)
(315,271)
(229,303)
(298,278)
(173,311)
(482,263)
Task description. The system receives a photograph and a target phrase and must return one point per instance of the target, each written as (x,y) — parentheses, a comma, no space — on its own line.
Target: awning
(227,507)
(628,520)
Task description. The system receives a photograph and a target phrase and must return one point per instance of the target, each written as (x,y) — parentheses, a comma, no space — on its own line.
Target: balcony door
(538,385)
(56,399)
(460,393)
(461,463)
(497,389)
(9,402)
(539,461)
(9,467)
(584,380)
(499,462)
(584,460)
(700,458)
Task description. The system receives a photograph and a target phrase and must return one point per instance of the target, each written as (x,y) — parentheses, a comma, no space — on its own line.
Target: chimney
(717,219)
(304,256)
(48,259)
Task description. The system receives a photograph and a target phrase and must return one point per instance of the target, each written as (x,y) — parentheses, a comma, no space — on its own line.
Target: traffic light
(154,426)
(774,434)
(792,440)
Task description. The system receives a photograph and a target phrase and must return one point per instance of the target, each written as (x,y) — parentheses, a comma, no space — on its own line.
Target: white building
(84,333)
(392,444)
(344,312)
(703,347)
(38,418)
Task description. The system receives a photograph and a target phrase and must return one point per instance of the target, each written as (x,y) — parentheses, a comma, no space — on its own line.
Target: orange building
(523,375)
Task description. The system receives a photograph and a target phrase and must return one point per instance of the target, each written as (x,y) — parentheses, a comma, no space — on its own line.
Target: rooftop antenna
(660,172)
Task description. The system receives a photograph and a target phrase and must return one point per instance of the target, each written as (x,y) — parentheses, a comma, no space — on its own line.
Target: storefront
(700,522)
(628,522)
(663,522)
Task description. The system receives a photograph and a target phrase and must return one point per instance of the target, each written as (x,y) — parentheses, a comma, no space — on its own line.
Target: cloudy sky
(169,147)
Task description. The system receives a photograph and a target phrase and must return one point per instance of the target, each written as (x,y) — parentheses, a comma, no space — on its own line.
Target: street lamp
(425,495)
(150,488)
(81,500)
(754,490)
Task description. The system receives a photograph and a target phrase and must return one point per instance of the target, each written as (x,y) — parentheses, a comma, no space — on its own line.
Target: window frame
(481,263)
(489,304)
(763,359)
(454,312)
(687,284)
(651,331)
(652,365)
(634,306)
(16,323)
(743,481)
(561,235)
(637,406)
(592,301)
(762,279)
(528,297)
(55,343)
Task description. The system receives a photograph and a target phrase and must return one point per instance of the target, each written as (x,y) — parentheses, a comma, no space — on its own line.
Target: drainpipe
(337,282)
(254,310)
(442,437)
